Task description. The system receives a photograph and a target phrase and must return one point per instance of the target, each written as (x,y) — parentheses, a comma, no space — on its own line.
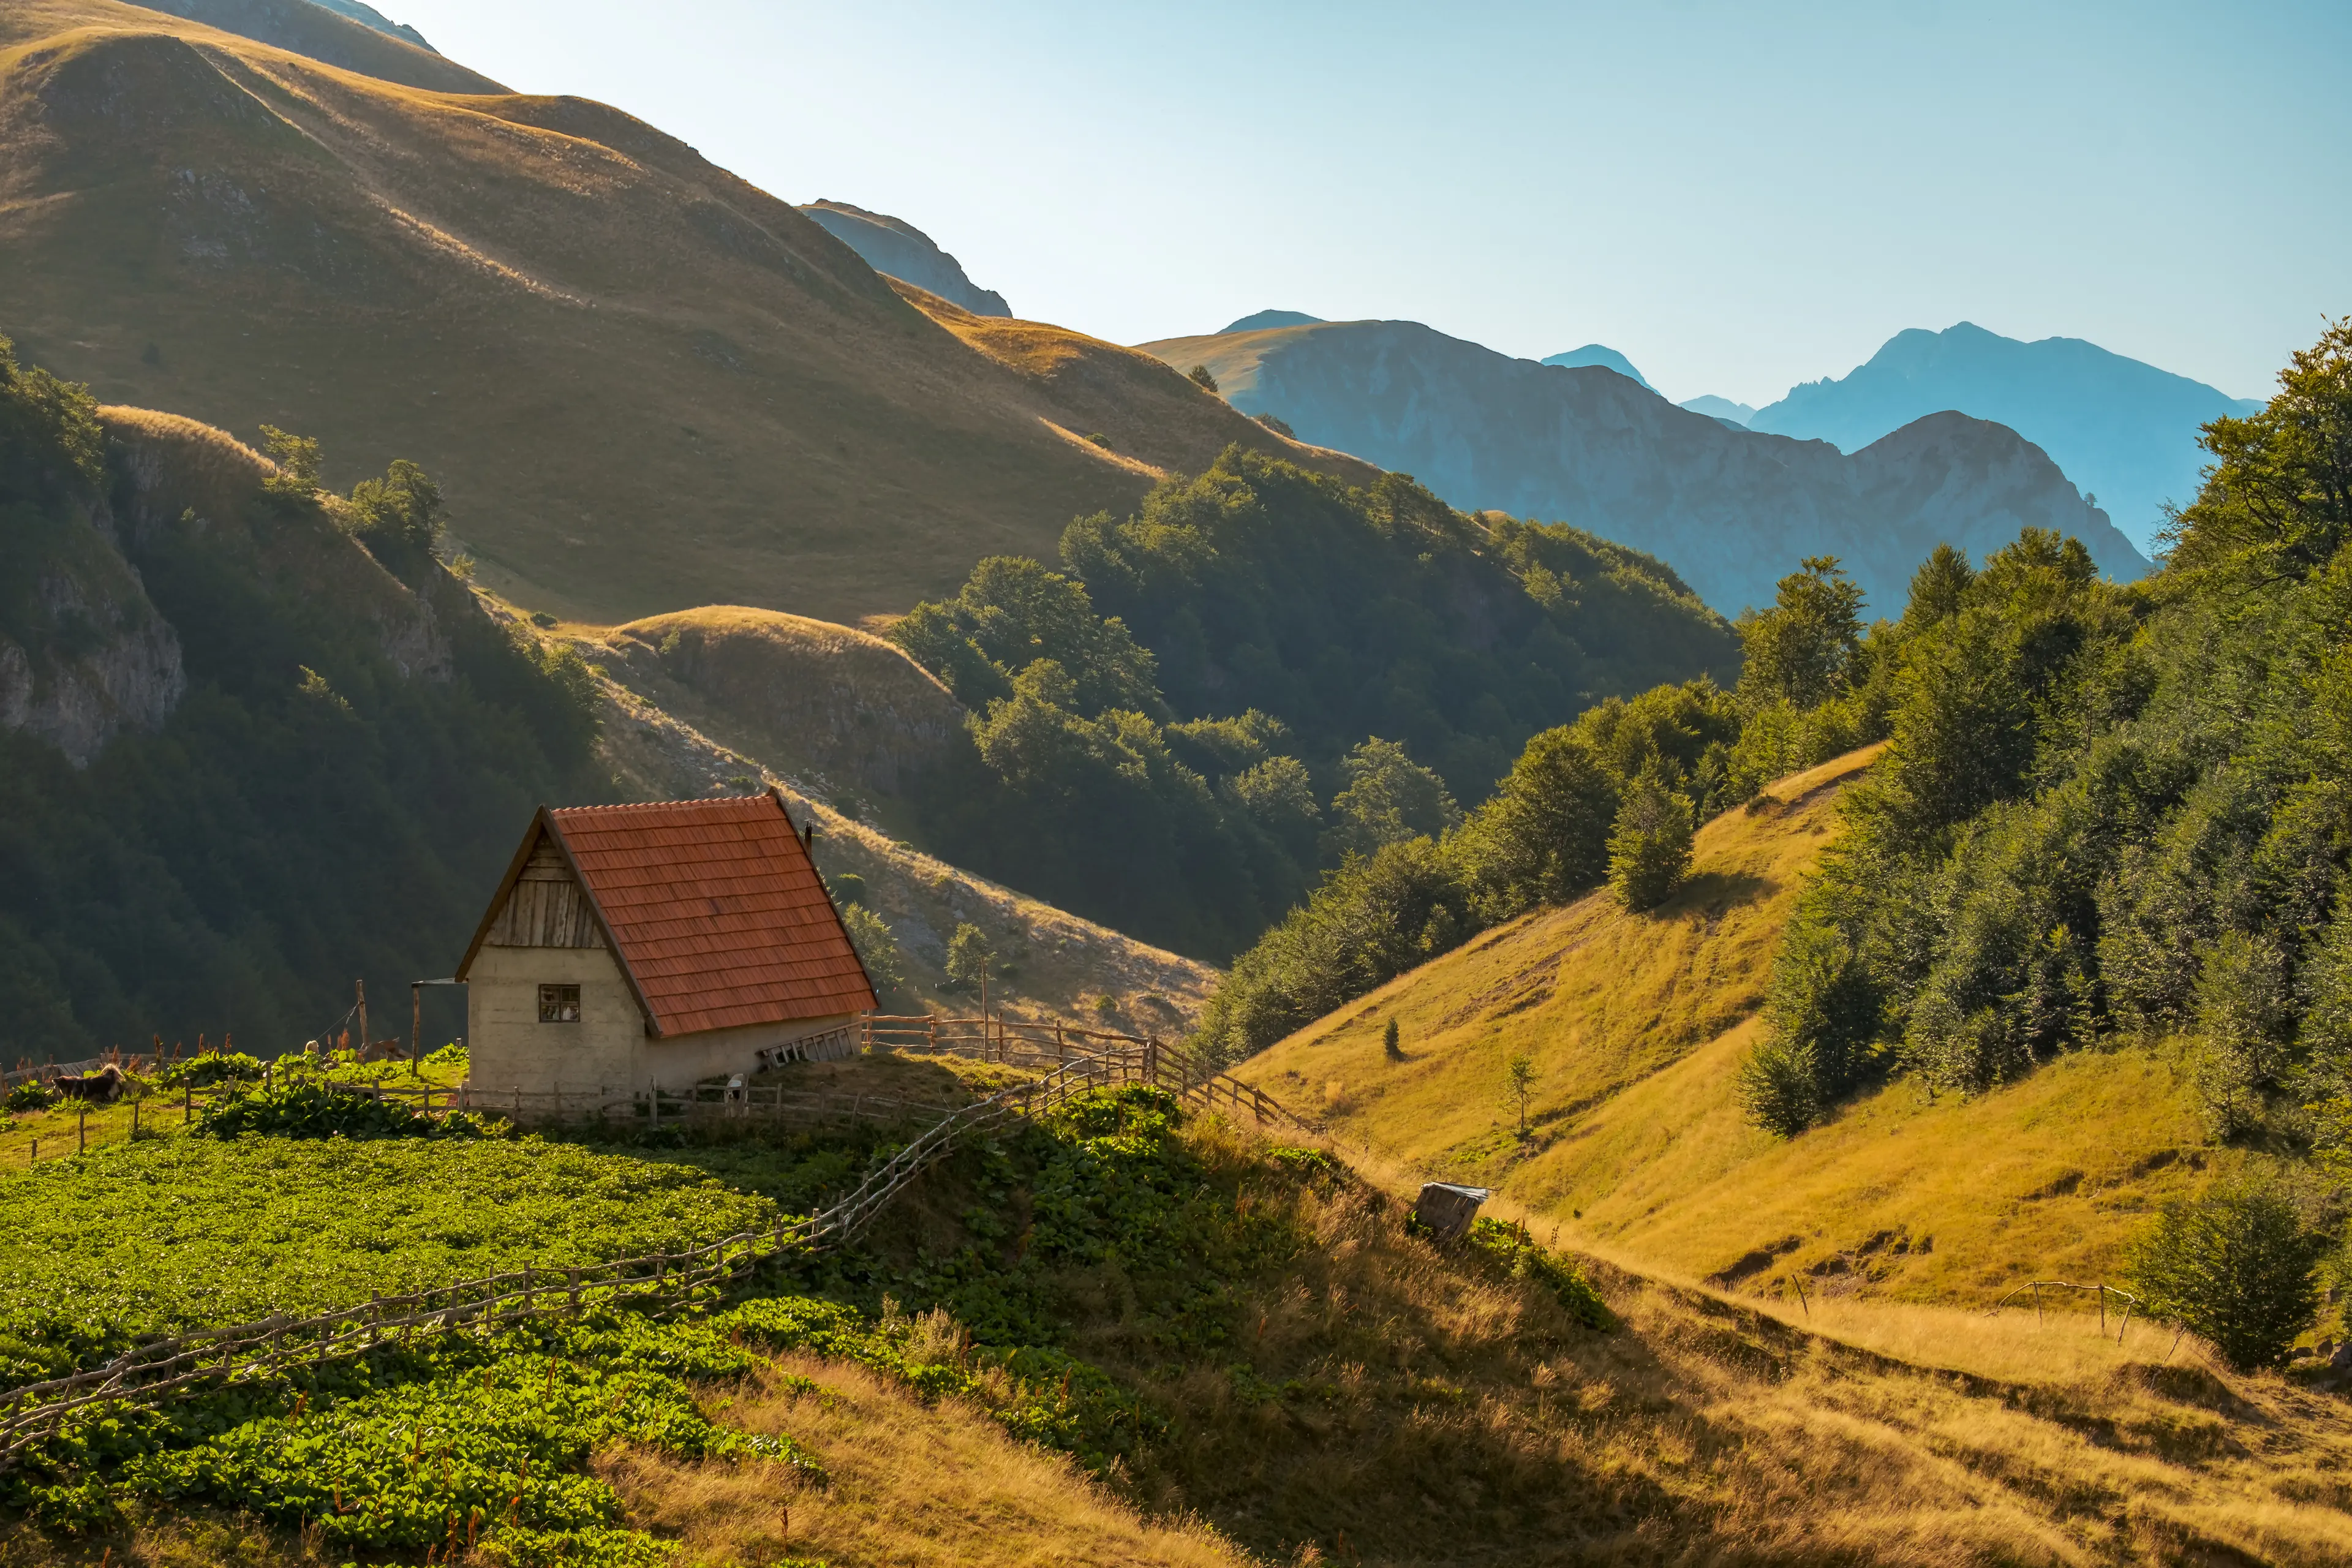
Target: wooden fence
(162,1368)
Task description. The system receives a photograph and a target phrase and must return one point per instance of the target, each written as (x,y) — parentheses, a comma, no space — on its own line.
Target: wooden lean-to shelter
(631,946)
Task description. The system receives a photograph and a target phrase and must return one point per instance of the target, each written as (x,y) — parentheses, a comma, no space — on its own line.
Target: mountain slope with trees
(1262,671)
(255,739)
(2112,812)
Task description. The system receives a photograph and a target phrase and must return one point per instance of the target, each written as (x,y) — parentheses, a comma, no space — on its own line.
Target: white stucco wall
(608,1048)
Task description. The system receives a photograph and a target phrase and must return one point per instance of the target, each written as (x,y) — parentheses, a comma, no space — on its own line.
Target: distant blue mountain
(1265,319)
(369,16)
(1602,355)
(1721,408)
(2123,431)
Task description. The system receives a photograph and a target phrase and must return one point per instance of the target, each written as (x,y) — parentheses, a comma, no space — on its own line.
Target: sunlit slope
(1134,400)
(643,383)
(1637,1025)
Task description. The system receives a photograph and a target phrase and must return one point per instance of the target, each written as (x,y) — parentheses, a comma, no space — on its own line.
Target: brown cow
(103,1087)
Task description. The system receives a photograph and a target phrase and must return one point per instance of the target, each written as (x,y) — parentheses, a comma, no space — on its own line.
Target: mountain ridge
(1731,509)
(2121,430)
(644,384)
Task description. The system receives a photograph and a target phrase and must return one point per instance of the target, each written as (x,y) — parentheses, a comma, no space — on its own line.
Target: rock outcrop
(898,249)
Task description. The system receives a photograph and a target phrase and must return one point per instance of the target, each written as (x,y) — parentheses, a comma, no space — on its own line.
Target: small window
(558,1004)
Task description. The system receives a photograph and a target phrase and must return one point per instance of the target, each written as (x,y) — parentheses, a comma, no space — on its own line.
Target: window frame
(559,1002)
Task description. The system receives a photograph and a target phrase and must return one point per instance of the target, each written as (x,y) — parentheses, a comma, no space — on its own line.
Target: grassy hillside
(644,384)
(1125,1337)
(1637,1026)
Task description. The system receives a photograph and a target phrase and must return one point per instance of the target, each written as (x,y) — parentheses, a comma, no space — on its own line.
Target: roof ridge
(660,804)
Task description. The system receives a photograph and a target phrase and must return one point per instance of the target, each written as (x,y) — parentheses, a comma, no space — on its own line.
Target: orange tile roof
(715,911)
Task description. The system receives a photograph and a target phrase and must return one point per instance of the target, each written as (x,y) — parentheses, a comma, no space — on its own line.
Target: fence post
(82,1130)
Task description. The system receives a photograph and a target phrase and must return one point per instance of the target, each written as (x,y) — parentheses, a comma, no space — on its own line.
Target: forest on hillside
(1263,672)
(309,811)
(2110,813)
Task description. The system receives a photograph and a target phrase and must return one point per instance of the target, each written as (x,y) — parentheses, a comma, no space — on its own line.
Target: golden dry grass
(1637,1026)
(1145,407)
(836,706)
(914,1486)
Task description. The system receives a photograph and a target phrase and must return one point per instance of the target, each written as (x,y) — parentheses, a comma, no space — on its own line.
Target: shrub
(2235,1267)
(1510,1246)
(878,947)
(30,1095)
(968,957)
(1199,375)
(1391,1044)
(1650,848)
(1821,1016)
(209,1068)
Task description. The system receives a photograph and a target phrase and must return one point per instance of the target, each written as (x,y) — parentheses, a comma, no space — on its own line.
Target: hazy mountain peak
(1266,319)
(898,248)
(1721,408)
(2122,430)
(369,16)
(1602,355)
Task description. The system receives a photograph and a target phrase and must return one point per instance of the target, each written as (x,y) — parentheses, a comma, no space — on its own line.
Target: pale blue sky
(1737,196)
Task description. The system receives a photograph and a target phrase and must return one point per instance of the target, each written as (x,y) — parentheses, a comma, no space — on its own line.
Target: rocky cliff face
(1732,510)
(94,658)
(108,663)
(897,249)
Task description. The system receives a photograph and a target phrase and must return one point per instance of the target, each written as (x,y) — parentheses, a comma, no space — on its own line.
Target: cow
(103,1087)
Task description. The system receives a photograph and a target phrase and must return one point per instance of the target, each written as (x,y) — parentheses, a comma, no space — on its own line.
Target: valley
(1063,843)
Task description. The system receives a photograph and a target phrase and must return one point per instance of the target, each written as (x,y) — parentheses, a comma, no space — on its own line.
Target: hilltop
(897,249)
(643,383)
(2122,430)
(1731,509)
(1602,355)
(1637,1025)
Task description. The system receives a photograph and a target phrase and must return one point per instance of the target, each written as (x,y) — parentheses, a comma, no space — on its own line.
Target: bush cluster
(313,1107)
(208,1068)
